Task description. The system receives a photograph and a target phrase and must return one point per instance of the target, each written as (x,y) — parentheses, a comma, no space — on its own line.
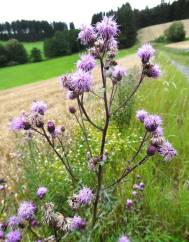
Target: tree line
(27,30)
(130,20)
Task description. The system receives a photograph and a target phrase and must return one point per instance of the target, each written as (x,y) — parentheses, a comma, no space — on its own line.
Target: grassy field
(30,45)
(28,73)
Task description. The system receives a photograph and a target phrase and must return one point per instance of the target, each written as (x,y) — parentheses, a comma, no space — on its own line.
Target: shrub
(3,56)
(35,55)
(58,45)
(175,32)
(16,52)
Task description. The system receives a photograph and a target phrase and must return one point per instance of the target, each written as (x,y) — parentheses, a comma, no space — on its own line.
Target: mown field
(33,72)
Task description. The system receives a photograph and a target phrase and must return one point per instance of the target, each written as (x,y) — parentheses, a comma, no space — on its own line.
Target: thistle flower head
(87,35)
(50,126)
(129,203)
(141,115)
(151,122)
(154,71)
(14,236)
(26,210)
(145,53)
(66,81)
(81,82)
(86,62)
(158,131)
(123,238)
(17,123)
(107,28)
(118,73)
(13,222)
(2,235)
(85,196)
(167,151)
(39,107)
(41,192)
(77,223)
(151,150)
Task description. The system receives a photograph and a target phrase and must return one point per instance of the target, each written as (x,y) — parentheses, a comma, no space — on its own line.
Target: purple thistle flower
(2,235)
(77,223)
(118,73)
(107,28)
(39,107)
(26,210)
(167,151)
(87,35)
(141,115)
(66,81)
(50,127)
(129,203)
(141,186)
(86,63)
(158,131)
(145,53)
(123,238)
(41,192)
(134,193)
(151,150)
(136,187)
(13,222)
(81,82)
(13,236)
(85,196)
(151,122)
(154,71)
(17,123)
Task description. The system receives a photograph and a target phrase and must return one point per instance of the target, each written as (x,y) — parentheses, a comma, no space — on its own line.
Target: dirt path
(15,100)
(183,45)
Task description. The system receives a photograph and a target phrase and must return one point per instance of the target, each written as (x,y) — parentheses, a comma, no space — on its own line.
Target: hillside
(152,32)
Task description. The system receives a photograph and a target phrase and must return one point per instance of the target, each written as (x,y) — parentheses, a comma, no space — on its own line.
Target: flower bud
(72,110)
(26,125)
(62,128)
(151,150)
(51,127)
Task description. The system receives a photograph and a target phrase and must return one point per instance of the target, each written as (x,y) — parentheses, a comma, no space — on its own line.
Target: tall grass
(164,216)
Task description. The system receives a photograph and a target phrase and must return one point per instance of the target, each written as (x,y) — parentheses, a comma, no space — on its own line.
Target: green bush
(35,55)
(3,56)
(175,32)
(16,52)
(58,45)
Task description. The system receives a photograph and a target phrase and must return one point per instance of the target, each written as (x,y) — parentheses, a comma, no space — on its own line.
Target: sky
(77,11)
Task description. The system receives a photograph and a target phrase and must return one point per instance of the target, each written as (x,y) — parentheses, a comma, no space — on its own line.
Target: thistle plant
(102,48)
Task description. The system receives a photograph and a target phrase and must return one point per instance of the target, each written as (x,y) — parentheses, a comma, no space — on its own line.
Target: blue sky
(78,11)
